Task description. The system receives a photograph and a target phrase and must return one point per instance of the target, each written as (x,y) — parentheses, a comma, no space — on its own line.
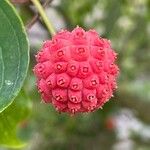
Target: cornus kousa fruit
(76,71)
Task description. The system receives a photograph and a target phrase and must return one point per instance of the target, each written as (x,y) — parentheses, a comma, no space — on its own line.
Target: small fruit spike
(76,71)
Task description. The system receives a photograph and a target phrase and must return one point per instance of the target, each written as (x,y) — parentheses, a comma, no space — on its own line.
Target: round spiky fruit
(76,71)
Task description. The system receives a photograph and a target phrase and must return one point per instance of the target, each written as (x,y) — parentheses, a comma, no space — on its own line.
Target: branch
(37,15)
(19,1)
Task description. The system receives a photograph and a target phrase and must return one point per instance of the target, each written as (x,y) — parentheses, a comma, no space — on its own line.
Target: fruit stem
(44,16)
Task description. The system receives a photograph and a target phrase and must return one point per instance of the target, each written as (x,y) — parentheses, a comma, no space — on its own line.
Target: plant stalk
(44,16)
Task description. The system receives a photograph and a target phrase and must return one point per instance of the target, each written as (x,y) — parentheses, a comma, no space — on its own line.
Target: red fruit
(73,107)
(76,71)
(73,68)
(43,70)
(91,82)
(60,95)
(75,96)
(60,67)
(43,55)
(80,53)
(84,70)
(63,80)
(51,81)
(76,84)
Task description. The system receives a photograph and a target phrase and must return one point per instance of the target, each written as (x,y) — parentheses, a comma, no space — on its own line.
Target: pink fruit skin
(76,71)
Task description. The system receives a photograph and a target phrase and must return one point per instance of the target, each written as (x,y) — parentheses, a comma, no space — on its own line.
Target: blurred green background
(124,122)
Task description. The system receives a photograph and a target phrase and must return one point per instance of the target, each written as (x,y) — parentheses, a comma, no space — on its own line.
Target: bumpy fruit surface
(76,71)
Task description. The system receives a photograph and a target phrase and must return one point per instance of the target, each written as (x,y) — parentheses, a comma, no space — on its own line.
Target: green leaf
(14,54)
(10,118)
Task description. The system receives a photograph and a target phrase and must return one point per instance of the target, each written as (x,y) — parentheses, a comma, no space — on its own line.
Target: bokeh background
(124,122)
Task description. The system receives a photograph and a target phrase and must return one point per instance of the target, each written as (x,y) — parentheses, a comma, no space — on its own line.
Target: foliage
(14,54)
(10,118)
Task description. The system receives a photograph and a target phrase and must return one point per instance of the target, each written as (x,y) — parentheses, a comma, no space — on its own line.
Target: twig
(19,1)
(36,16)
(44,16)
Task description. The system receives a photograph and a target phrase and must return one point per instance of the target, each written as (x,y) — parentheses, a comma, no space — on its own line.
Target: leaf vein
(3,68)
